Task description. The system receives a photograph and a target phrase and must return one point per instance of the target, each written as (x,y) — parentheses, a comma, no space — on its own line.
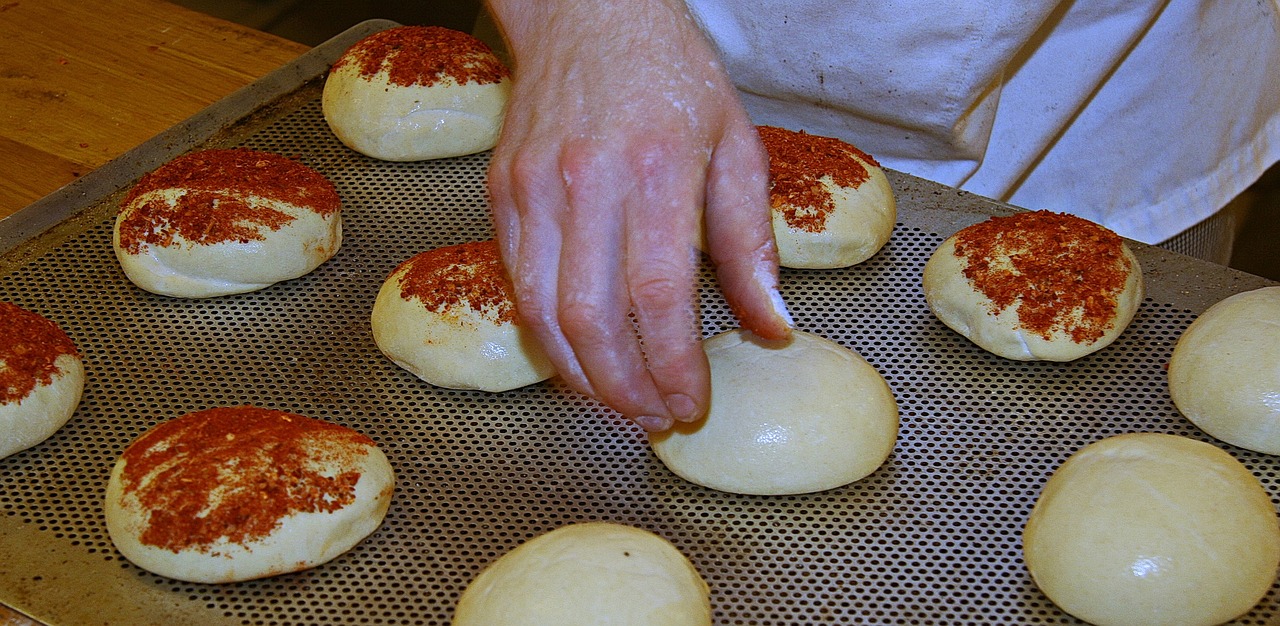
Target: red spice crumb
(466,275)
(797,163)
(423,55)
(214,207)
(29,349)
(234,473)
(1063,272)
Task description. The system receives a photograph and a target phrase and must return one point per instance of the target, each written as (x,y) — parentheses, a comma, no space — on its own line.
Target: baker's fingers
(594,304)
(739,233)
(528,201)
(661,272)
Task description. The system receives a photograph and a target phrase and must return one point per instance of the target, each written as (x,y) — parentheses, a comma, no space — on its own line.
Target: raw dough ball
(231,494)
(786,417)
(41,379)
(1035,285)
(832,204)
(1151,529)
(448,316)
(587,574)
(1225,371)
(417,92)
(219,222)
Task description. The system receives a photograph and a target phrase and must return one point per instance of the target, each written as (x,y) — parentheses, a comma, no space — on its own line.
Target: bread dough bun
(587,574)
(1035,285)
(448,315)
(417,92)
(41,378)
(219,222)
(237,493)
(832,204)
(786,417)
(1225,371)
(1152,529)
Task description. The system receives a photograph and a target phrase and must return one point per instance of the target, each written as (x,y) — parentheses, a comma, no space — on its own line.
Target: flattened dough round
(1035,286)
(1150,529)
(41,378)
(588,574)
(237,493)
(1225,372)
(413,93)
(786,417)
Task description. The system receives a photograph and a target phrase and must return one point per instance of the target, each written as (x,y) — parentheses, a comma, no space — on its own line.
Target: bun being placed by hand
(448,316)
(587,574)
(417,92)
(1151,529)
(832,204)
(1225,371)
(786,417)
(220,222)
(1035,285)
(231,494)
(41,378)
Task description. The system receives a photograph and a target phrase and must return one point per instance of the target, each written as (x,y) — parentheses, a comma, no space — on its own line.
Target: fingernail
(654,423)
(682,407)
(780,306)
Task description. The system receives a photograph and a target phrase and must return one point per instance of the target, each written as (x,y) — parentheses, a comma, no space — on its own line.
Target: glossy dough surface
(186,499)
(1153,529)
(1225,372)
(963,307)
(790,417)
(222,222)
(378,111)
(588,574)
(447,315)
(41,379)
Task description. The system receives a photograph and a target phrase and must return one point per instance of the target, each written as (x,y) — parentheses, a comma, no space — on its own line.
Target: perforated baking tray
(932,537)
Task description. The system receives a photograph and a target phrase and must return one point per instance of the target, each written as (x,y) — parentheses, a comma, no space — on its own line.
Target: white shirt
(1146,116)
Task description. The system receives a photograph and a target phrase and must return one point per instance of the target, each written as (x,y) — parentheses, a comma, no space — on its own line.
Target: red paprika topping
(1064,273)
(468,275)
(29,349)
(215,206)
(423,55)
(797,163)
(234,473)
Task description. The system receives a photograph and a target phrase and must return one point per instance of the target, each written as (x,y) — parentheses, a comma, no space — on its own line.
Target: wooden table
(83,82)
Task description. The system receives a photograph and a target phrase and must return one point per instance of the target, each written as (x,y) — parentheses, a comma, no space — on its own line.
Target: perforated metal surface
(930,538)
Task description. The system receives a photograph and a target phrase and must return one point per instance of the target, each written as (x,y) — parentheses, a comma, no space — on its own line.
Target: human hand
(622,136)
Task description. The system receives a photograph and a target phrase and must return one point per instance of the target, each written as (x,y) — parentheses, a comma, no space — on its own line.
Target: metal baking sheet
(932,537)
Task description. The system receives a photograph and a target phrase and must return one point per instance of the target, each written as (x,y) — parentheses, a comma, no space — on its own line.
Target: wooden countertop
(83,82)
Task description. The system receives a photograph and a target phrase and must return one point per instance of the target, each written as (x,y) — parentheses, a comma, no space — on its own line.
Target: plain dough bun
(588,574)
(832,203)
(1225,372)
(41,379)
(1035,286)
(238,493)
(1152,529)
(220,222)
(786,417)
(417,92)
(448,316)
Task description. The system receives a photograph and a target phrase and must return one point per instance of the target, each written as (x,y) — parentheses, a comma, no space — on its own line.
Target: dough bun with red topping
(413,93)
(786,417)
(1035,285)
(1224,375)
(588,573)
(832,203)
(236,493)
(448,316)
(220,222)
(41,379)
(1152,528)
